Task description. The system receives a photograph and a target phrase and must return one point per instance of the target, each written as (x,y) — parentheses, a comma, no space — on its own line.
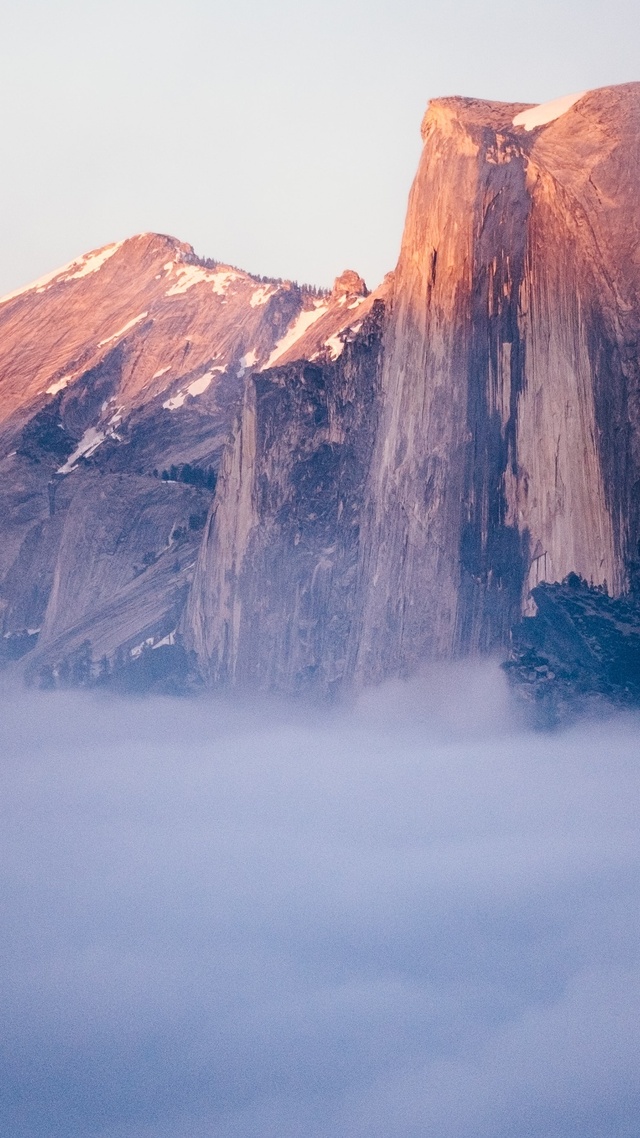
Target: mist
(410,917)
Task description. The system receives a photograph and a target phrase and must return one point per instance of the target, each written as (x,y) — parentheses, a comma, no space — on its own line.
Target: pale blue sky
(281,136)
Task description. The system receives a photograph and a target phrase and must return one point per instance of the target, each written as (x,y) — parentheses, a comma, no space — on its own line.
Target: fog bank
(414,917)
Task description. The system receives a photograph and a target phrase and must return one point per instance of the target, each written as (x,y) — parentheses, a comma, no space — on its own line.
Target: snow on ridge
(191,275)
(88,263)
(546,112)
(125,328)
(94,261)
(300,325)
(39,285)
(262,295)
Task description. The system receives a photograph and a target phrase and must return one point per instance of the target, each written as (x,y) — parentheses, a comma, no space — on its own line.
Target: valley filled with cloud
(406,917)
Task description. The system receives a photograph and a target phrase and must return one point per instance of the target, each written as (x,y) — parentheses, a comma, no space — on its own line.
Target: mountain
(121,376)
(397,473)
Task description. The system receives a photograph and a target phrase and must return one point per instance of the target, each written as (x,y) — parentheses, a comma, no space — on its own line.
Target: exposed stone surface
(276,593)
(580,649)
(349,284)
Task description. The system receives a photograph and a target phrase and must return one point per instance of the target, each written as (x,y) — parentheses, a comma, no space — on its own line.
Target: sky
(411,917)
(281,136)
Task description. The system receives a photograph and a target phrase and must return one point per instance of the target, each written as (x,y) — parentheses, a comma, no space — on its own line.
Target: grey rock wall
(276,595)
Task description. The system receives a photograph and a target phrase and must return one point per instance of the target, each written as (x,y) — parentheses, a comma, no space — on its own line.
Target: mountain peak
(349,283)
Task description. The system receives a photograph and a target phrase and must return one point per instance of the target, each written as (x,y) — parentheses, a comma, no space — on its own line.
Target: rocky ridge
(121,376)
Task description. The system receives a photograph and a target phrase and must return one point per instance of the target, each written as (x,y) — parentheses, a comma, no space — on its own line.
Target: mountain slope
(120,378)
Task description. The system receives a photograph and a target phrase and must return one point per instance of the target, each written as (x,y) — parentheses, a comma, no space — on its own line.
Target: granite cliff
(502,432)
(508,447)
(397,473)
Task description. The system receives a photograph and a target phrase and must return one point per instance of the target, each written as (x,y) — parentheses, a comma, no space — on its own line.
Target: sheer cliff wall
(276,598)
(405,467)
(507,447)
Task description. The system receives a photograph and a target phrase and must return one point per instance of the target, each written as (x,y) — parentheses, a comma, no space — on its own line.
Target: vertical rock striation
(507,448)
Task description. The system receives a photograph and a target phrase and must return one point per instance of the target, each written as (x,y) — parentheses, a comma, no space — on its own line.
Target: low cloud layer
(411,918)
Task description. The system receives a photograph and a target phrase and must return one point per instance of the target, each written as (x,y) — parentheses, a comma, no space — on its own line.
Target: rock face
(507,451)
(580,650)
(401,470)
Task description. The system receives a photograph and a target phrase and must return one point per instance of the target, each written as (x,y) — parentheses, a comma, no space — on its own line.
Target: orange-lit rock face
(173,317)
(508,446)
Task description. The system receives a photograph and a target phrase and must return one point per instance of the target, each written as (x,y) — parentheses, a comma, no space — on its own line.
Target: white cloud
(406,918)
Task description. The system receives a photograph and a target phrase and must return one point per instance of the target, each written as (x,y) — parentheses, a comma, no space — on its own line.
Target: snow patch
(139,648)
(302,323)
(175,402)
(247,361)
(59,385)
(262,295)
(198,386)
(170,639)
(90,441)
(191,275)
(546,112)
(335,345)
(125,328)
